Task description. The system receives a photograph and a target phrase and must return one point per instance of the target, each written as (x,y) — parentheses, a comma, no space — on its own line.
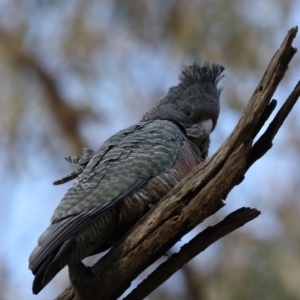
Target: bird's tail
(47,270)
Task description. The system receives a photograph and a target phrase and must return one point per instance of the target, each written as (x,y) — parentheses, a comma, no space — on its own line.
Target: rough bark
(191,249)
(193,200)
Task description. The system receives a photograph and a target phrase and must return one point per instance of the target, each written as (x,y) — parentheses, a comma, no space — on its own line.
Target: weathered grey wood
(193,200)
(198,244)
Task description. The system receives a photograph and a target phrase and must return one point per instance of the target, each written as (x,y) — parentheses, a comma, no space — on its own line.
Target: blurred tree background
(74,72)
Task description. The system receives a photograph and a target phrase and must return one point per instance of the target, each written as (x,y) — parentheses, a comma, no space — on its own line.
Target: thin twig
(264,143)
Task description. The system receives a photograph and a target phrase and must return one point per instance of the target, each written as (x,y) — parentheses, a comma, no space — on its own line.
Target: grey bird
(134,169)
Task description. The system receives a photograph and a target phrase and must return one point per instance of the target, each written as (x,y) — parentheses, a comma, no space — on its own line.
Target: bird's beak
(200,131)
(206,127)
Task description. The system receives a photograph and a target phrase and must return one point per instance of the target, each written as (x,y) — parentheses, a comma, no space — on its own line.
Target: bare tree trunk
(193,200)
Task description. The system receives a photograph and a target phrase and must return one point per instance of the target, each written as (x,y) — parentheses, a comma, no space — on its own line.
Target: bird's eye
(187,112)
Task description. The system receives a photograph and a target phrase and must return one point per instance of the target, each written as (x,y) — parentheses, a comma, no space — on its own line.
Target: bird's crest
(195,74)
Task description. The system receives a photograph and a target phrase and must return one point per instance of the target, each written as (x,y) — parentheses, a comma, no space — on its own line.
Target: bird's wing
(122,165)
(89,154)
(142,151)
(58,233)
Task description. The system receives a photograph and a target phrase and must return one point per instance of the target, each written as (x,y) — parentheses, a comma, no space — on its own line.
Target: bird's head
(194,103)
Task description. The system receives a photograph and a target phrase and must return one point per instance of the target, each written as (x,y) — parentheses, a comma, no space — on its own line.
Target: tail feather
(39,283)
(48,269)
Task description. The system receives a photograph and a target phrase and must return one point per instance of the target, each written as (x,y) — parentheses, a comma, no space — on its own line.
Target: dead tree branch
(191,249)
(193,200)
